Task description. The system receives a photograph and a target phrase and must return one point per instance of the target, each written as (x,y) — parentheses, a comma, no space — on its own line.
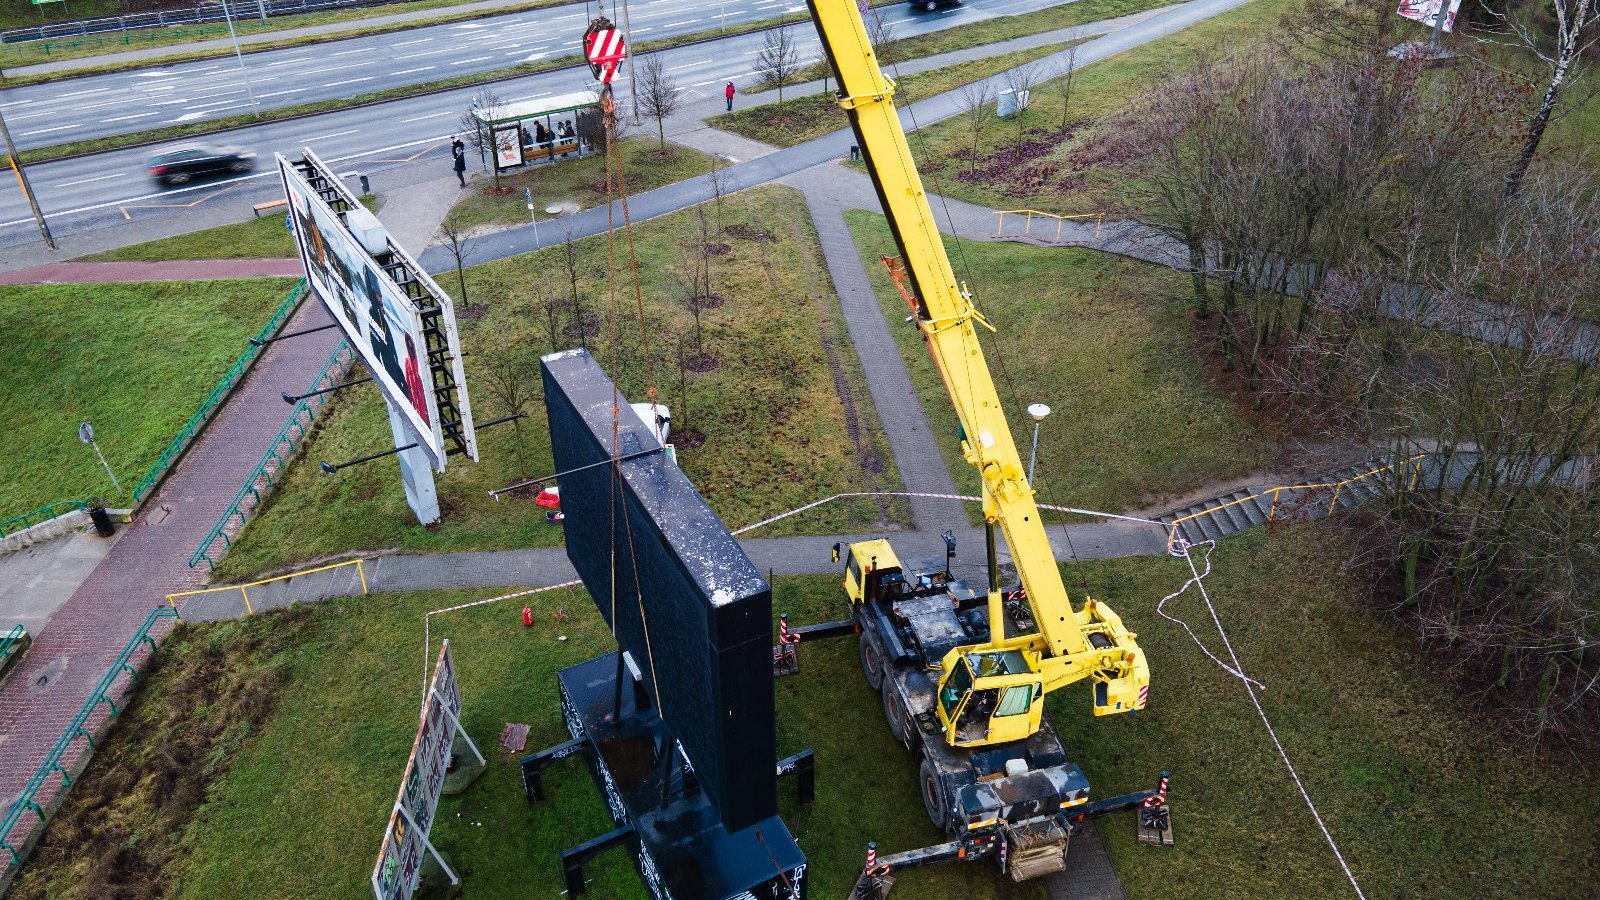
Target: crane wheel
(900,724)
(871,663)
(933,798)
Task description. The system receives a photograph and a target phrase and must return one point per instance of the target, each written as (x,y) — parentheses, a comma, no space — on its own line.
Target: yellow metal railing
(244,592)
(1276,493)
(1000,224)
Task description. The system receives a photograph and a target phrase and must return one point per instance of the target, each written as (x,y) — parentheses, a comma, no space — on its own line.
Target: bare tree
(549,305)
(691,276)
(1066,73)
(571,264)
(718,179)
(1020,82)
(510,376)
(486,106)
(778,62)
(975,99)
(881,35)
(1561,48)
(459,245)
(659,94)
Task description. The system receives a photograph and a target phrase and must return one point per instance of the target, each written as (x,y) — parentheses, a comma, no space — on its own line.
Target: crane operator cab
(989,697)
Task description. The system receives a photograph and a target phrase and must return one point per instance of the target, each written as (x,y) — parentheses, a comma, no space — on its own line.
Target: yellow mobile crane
(955,685)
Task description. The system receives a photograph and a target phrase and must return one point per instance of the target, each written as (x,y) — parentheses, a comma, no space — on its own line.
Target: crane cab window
(1014,701)
(955,688)
(1004,662)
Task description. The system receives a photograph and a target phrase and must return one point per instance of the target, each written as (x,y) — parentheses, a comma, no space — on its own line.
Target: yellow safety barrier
(1000,225)
(1276,493)
(244,593)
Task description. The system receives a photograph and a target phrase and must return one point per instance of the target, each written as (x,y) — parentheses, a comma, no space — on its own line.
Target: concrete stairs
(1221,516)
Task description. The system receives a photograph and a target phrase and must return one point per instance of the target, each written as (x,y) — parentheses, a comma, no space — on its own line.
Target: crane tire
(871,663)
(933,799)
(900,722)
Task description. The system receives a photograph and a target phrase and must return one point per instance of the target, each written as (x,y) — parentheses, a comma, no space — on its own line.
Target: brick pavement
(169,270)
(150,560)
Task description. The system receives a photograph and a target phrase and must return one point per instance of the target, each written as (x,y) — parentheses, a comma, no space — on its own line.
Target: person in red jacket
(728,92)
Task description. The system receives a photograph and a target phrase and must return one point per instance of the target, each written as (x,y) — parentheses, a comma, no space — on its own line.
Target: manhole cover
(46,675)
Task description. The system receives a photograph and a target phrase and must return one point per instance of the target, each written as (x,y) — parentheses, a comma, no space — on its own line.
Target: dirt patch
(496,191)
(702,362)
(719,249)
(708,301)
(749,232)
(661,154)
(210,689)
(525,492)
(688,438)
(475,311)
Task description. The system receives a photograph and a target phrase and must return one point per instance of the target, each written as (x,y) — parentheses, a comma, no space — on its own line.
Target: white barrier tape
(1195,581)
(962,497)
(1198,581)
(427,622)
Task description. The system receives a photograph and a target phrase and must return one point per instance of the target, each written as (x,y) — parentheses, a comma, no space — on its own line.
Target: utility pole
(27,189)
(1438,21)
(633,83)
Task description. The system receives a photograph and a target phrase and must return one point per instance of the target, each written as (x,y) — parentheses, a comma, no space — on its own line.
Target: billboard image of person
(379,320)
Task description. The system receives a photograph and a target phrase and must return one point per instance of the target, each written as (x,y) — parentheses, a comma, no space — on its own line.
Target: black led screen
(688,605)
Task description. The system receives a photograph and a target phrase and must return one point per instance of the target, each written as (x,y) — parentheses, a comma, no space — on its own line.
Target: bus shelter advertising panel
(378,319)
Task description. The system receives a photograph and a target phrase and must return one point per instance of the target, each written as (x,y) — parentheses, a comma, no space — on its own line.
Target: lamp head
(1038,411)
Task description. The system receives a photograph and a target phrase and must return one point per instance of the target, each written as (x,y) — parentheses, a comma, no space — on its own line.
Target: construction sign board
(1425,11)
(405,852)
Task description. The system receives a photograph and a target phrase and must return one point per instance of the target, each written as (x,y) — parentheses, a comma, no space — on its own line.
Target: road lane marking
(350,81)
(411,71)
(409,43)
(424,118)
(333,135)
(67,184)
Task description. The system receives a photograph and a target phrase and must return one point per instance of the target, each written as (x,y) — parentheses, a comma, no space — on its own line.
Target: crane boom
(1070,644)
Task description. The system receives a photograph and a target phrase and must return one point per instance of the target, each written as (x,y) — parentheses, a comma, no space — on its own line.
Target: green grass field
(134,359)
(575,181)
(803,117)
(774,423)
(1096,337)
(263,237)
(263,756)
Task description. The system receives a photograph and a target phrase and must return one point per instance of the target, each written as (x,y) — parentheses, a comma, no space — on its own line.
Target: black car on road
(180,165)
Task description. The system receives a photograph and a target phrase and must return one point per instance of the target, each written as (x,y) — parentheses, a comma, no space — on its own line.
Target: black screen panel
(683,598)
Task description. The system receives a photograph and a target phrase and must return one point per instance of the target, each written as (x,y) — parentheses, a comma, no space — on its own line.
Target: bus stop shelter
(510,127)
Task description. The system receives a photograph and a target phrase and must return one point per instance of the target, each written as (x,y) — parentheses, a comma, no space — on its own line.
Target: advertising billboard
(377,318)
(1425,11)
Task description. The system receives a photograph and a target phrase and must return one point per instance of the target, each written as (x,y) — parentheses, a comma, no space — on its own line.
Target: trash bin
(103,525)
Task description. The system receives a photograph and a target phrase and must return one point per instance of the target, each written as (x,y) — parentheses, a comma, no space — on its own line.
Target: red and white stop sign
(604,50)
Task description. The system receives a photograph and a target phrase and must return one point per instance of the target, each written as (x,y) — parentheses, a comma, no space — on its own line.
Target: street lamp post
(1038,411)
(238,55)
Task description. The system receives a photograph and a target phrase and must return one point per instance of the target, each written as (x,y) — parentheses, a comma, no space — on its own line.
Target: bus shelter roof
(537,108)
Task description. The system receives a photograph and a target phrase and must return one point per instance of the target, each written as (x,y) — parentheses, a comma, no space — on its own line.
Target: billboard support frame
(442,341)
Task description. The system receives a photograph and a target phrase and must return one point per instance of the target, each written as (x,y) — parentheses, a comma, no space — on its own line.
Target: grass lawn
(1093,336)
(294,727)
(264,237)
(802,118)
(1425,799)
(578,180)
(1099,90)
(774,420)
(134,359)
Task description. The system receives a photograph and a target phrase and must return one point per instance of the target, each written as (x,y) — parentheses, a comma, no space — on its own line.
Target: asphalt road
(112,187)
(118,103)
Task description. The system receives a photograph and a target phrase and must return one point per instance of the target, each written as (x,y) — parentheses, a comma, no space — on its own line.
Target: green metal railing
(16,633)
(56,761)
(218,395)
(43,514)
(283,448)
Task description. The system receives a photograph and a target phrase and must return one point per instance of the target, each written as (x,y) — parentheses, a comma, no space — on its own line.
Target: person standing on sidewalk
(728,92)
(458,150)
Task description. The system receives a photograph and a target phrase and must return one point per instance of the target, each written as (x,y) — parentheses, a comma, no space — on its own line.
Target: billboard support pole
(415,470)
(27,188)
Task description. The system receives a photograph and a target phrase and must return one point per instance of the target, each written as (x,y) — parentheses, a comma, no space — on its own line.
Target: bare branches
(1065,73)
(659,94)
(778,61)
(486,107)
(975,99)
(1019,81)
(1561,46)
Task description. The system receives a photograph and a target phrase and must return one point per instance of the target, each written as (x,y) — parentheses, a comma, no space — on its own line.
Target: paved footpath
(148,562)
(169,270)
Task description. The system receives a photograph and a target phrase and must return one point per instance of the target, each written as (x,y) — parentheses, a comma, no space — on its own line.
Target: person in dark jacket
(458,150)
